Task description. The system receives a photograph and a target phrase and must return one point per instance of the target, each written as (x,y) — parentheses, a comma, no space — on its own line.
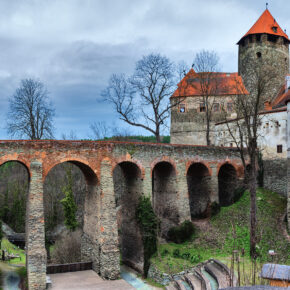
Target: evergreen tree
(68,203)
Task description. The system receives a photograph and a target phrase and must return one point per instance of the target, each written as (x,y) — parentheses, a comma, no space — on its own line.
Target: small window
(229,107)
(216,107)
(275,29)
(259,54)
(181,108)
(202,107)
(258,37)
(279,148)
(231,144)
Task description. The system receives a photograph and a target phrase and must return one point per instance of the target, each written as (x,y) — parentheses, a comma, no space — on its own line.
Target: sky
(73,47)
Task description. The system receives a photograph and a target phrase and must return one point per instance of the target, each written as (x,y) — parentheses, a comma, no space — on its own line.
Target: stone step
(194,281)
(225,271)
(205,282)
(180,285)
(171,286)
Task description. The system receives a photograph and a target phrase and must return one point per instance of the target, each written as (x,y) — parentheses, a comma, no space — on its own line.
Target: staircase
(210,275)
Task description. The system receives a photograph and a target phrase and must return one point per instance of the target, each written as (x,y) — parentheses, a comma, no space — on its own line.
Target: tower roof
(266,24)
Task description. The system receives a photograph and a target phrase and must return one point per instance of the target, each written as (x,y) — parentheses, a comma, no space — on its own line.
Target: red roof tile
(223,84)
(266,24)
(279,100)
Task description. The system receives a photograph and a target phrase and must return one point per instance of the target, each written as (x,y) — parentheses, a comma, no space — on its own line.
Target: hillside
(228,230)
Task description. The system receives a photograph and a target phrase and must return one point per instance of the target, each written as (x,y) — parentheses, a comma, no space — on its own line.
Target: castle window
(258,37)
(279,148)
(259,54)
(274,28)
(229,107)
(216,107)
(181,108)
(202,107)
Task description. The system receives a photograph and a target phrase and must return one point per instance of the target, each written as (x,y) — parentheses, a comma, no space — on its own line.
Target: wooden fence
(73,267)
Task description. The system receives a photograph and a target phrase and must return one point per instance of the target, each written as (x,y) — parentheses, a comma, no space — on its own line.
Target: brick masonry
(98,162)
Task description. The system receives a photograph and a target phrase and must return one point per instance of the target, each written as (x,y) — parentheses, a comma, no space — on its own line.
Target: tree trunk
(207,132)
(253,212)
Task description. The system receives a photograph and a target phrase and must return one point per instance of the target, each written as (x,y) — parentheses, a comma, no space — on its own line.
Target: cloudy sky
(73,46)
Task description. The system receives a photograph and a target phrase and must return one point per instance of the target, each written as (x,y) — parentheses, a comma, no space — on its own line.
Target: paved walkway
(83,280)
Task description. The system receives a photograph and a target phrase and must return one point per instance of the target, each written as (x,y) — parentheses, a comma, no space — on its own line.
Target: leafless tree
(100,130)
(244,130)
(71,136)
(206,64)
(142,100)
(30,112)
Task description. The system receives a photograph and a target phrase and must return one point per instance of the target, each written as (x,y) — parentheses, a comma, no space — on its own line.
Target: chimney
(287,83)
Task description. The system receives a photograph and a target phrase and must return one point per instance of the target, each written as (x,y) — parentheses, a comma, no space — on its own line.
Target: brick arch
(24,162)
(191,162)
(163,159)
(236,166)
(90,174)
(128,158)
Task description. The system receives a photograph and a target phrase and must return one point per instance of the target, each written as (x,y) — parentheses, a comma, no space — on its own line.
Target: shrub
(176,253)
(164,253)
(182,233)
(195,258)
(185,256)
(67,249)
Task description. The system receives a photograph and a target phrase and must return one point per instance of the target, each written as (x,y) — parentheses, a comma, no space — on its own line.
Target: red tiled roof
(265,24)
(223,84)
(280,99)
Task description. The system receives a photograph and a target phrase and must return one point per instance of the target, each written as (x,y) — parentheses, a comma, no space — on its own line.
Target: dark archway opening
(14,189)
(63,244)
(198,182)
(128,188)
(164,190)
(227,179)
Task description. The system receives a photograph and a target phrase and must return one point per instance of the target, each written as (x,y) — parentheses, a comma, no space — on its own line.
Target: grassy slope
(16,251)
(218,240)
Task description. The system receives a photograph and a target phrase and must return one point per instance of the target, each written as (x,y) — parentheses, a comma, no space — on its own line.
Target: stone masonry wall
(97,161)
(275,175)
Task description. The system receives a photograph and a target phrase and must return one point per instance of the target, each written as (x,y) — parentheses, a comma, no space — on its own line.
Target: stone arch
(87,169)
(128,158)
(227,179)
(164,194)
(128,183)
(85,186)
(198,182)
(163,159)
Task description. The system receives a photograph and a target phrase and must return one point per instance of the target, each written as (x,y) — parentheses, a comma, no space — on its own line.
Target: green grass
(6,245)
(229,230)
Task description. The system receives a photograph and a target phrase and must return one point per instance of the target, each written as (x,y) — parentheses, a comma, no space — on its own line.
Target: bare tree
(206,64)
(142,100)
(71,136)
(100,130)
(244,130)
(30,112)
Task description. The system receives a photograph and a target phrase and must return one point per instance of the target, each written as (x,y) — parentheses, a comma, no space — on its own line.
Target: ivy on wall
(148,222)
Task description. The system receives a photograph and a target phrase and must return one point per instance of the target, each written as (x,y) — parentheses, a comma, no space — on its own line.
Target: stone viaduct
(181,180)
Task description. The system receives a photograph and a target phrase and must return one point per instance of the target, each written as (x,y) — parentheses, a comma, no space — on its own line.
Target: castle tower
(264,44)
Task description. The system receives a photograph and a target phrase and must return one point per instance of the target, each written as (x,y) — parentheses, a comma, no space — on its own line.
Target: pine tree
(68,203)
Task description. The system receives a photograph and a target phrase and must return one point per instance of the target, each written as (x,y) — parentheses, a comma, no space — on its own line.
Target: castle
(265,43)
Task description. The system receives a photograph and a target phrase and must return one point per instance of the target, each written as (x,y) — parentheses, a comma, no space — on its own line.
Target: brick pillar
(35,237)
(182,194)
(109,250)
(214,185)
(147,183)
